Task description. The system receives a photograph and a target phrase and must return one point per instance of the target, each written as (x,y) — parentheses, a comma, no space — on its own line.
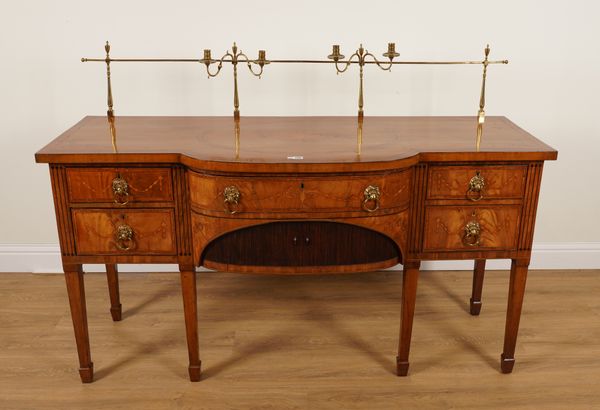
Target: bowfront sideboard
(293,195)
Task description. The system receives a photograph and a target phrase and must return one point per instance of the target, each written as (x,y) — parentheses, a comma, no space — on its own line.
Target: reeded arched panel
(302,243)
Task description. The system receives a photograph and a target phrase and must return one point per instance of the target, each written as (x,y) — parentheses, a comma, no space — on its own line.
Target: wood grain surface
(445,227)
(304,342)
(300,244)
(299,194)
(293,144)
(153,231)
(95,184)
(452,182)
(206,229)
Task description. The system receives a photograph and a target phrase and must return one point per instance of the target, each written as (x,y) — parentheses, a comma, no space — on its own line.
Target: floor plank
(318,342)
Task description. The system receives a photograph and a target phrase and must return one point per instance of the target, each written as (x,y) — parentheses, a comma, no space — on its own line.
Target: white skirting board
(567,255)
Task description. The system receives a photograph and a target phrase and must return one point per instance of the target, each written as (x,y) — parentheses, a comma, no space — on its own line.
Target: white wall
(550,88)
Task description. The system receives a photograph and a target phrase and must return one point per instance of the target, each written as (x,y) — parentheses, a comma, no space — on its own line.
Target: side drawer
(135,232)
(297,194)
(460,182)
(446,227)
(120,185)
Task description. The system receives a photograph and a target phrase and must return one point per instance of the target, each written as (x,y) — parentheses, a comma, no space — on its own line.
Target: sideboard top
(292,142)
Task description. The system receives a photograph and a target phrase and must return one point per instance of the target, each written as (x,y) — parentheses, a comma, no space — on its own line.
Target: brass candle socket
(335,54)
(391,53)
(207,57)
(262,58)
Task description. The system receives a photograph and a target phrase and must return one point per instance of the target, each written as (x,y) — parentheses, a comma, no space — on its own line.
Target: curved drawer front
(295,194)
(476,182)
(120,185)
(451,228)
(306,243)
(130,232)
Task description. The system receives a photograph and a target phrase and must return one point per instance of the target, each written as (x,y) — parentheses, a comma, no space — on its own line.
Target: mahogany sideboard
(288,195)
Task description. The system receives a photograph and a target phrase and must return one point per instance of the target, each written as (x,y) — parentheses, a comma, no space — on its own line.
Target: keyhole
(301,185)
(307,240)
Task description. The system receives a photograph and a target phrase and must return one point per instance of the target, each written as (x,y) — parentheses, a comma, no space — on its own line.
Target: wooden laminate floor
(306,342)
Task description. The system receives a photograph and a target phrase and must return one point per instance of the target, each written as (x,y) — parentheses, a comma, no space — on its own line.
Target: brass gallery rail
(360,57)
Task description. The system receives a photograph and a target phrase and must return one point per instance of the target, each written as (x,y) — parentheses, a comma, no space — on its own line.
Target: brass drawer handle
(120,191)
(476,186)
(124,237)
(231,199)
(472,235)
(372,195)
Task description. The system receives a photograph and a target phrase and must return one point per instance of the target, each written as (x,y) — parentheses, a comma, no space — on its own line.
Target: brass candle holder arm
(208,61)
(261,61)
(390,54)
(337,58)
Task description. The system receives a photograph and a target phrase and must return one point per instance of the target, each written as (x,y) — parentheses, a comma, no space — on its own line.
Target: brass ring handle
(120,191)
(124,237)
(476,187)
(371,195)
(472,236)
(231,199)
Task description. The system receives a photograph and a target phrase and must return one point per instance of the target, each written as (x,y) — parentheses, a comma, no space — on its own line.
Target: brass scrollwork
(124,237)
(472,236)
(372,195)
(231,199)
(120,190)
(476,187)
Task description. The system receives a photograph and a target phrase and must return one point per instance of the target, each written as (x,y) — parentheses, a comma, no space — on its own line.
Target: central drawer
(364,193)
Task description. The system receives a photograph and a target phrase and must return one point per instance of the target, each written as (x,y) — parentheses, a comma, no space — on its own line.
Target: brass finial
(109,98)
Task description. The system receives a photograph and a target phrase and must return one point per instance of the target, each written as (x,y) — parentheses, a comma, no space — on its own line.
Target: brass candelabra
(234,57)
(361,57)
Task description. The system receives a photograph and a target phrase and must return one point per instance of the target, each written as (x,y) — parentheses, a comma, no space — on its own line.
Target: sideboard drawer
(136,232)
(120,185)
(471,227)
(296,194)
(476,182)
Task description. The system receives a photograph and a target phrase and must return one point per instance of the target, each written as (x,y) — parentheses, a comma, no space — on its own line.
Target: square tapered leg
(409,296)
(190,308)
